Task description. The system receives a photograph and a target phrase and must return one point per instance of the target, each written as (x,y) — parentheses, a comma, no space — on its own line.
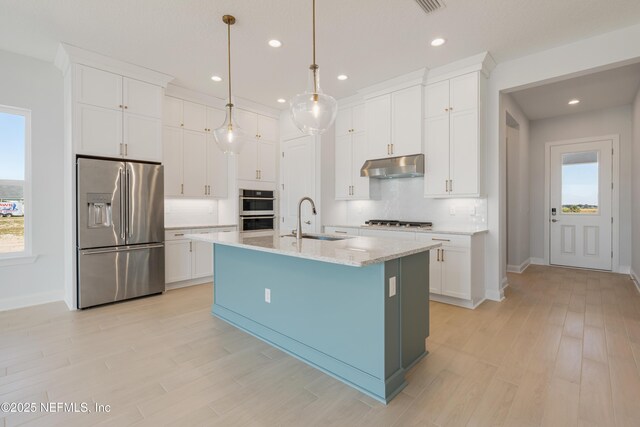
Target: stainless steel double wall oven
(257,210)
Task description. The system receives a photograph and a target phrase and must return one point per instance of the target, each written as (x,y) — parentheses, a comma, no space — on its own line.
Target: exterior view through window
(580,183)
(13,133)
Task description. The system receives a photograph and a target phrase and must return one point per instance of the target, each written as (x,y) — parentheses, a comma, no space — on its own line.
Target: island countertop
(352,251)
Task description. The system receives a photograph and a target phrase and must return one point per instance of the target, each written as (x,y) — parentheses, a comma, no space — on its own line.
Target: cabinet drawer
(447,240)
(386,234)
(176,234)
(342,230)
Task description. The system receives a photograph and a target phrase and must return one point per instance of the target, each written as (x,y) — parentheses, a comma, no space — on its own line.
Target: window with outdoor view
(14,134)
(580,183)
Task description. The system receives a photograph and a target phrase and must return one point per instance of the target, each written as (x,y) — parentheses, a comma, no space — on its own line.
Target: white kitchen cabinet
(172,146)
(350,154)
(267,128)
(195,164)
(257,160)
(189,260)
(387,234)
(116,116)
(172,112)
(248,161)
(267,152)
(194,116)
(453,137)
(394,123)
(342,230)
(217,170)
(248,121)
(215,118)
(177,260)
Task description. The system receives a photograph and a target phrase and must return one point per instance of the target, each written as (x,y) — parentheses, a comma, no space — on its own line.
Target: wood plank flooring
(563,349)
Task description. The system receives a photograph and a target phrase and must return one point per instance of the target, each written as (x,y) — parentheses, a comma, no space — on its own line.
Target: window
(580,183)
(15,135)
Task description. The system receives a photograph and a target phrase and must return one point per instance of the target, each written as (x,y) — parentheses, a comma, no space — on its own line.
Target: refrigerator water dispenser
(99,205)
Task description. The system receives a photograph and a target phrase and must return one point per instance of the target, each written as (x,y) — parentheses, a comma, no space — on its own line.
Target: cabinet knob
(446,109)
(126,106)
(181,124)
(120,106)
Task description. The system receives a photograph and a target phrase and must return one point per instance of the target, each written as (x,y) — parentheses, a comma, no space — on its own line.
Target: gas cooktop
(396,223)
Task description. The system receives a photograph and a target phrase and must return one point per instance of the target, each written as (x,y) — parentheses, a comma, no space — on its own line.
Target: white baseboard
(519,269)
(456,301)
(537,261)
(635,279)
(187,283)
(624,269)
(29,300)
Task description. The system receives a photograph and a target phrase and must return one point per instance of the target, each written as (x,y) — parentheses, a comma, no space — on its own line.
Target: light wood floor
(563,349)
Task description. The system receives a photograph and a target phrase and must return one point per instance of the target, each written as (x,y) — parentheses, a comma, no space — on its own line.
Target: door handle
(308,222)
(554,220)
(442,256)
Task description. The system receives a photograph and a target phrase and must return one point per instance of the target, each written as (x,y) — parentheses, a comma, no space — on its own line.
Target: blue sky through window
(12,129)
(580,184)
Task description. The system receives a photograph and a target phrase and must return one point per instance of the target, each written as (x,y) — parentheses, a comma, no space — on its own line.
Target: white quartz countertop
(195,227)
(461,230)
(353,251)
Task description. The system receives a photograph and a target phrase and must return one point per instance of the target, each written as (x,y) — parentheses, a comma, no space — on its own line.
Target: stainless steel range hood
(394,167)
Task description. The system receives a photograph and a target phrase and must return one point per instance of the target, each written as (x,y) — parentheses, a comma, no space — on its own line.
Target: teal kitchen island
(356,308)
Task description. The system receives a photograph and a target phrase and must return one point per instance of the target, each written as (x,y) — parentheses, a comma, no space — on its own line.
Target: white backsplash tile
(179,212)
(403,199)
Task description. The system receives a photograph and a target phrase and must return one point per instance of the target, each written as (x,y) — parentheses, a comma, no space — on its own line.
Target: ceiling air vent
(430,6)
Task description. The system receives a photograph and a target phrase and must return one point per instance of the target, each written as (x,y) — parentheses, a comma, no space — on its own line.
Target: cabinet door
(172,112)
(378,112)
(99,131)
(215,118)
(343,121)
(248,161)
(407,121)
(143,137)
(343,165)
(194,116)
(437,99)
(177,260)
(98,88)
(248,121)
(267,161)
(359,156)
(195,163)
(435,273)
(464,93)
(172,159)
(142,98)
(267,128)
(436,156)
(201,259)
(217,169)
(456,279)
(358,118)
(464,153)
(388,234)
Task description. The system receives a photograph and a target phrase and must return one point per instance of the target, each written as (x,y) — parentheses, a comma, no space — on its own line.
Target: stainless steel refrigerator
(120,230)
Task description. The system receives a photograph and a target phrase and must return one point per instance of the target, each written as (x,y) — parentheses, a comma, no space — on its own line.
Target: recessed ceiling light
(216,78)
(343,77)
(574,102)
(275,43)
(437,42)
(282,100)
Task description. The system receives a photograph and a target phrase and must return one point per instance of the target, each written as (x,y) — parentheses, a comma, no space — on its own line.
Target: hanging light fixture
(229,137)
(313,111)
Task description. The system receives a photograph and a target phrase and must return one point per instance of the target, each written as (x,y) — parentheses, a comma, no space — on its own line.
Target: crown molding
(68,54)
(404,81)
(482,62)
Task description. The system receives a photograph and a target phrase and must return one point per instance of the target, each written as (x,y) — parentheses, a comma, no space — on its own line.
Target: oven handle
(257,198)
(258,217)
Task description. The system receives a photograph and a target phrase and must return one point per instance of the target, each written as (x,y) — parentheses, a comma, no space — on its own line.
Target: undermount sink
(319,237)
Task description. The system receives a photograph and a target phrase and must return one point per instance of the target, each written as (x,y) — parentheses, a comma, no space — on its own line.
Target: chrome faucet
(313,207)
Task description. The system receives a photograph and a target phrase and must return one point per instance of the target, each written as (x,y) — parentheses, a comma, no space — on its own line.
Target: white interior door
(581,205)
(298,178)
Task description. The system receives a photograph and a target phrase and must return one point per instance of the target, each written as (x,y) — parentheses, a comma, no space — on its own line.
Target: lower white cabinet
(342,230)
(189,259)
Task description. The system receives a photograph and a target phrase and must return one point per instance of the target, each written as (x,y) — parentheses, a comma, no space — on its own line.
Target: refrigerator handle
(129,215)
(122,205)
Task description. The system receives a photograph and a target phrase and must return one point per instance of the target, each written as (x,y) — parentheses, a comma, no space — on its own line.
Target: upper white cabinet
(351,152)
(116,116)
(257,160)
(394,123)
(194,165)
(453,137)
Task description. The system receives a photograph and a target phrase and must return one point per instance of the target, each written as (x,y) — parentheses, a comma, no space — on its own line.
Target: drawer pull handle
(440,240)
(179,234)
(341,232)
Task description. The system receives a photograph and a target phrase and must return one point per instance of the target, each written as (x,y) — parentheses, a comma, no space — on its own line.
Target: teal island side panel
(335,317)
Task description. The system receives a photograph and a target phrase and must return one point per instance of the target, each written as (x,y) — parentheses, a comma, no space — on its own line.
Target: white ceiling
(369,40)
(604,89)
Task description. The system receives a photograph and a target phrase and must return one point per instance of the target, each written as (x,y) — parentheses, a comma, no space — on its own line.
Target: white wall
(191,212)
(518,184)
(594,123)
(38,86)
(596,53)
(635,208)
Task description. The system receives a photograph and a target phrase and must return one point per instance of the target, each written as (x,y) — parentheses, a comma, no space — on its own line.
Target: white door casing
(581,210)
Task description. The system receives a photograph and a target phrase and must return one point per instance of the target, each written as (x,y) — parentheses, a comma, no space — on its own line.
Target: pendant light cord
(314,66)
(229,58)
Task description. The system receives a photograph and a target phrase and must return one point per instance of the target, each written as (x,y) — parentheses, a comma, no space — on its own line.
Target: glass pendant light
(230,137)
(313,111)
